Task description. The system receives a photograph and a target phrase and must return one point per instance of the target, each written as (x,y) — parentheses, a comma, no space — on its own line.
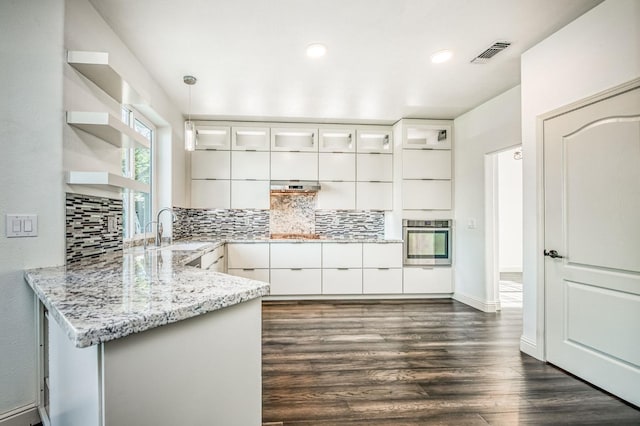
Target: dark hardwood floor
(434,362)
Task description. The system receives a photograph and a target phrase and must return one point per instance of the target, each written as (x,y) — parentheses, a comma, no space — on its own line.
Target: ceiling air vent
(492,51)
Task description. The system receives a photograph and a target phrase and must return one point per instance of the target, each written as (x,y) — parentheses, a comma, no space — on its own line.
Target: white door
(592,220)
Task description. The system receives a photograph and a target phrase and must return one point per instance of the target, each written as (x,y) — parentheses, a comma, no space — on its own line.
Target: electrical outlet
(21,225)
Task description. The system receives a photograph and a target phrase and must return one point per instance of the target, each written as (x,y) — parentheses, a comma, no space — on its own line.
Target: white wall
(510,211)
(597,51)
(31,47)
(491,127)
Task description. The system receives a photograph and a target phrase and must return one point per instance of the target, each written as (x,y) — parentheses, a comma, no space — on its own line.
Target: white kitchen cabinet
(250,165)
(250,273)
(342,281)
(213,137)
(374,139)
(247,255)
(426,164)
(374,195)
(337,139)
(426,194)
(294,139)
(336,196)
(211,194)
(382,255)
(382,281)
(427,137)
(342,255)
(419,280)
(296,281)
(250,138)
(374,167)
(210,165)
(337,166)
(294,166)
(296,255)
(250,194)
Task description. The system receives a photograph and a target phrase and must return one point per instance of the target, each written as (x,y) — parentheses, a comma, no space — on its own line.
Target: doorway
(503,220)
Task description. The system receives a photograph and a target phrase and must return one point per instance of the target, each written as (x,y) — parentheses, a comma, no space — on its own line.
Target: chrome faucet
(159,227)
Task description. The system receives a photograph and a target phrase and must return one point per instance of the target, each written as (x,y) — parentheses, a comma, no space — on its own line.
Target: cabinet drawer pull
(343,269)
(248,269)
(296,269)
(383,269)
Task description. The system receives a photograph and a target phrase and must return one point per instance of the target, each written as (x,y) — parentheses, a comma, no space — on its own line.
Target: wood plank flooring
(433,362)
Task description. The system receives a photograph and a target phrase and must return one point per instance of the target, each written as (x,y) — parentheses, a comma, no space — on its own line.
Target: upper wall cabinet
(338,139)
(250,138)
(374,140)
(294,139)
(213,137)
(427,137)
(97,67)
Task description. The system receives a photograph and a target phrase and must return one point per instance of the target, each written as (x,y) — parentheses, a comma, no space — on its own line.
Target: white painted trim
(529,347)
(359,297)
(511,269)
(478,304)
(22,416)
(491,226)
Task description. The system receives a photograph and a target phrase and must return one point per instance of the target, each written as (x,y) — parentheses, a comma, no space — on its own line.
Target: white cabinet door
(296,281)
(374,195)
(426,194)
(374,167)
(212,137)
(211,194)
(252,274)
(294,165)
(382,281)
(210,165)
(250,165)
(338,139)
(374,139)
(336,196)
(250,138)
(337,166)
(294,139)
(250,194)
(427,280)
(342,281)
(247,255)
(342,255)
(382,255)
(296,255)
(426,164)
(427,137)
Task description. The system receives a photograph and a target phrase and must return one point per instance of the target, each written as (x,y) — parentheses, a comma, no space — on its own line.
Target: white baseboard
(358,297)
(530,348)
(478,304)
(26,417)
(511,269)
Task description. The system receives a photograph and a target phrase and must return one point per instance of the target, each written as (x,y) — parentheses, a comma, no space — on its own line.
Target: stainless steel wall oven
(427,242)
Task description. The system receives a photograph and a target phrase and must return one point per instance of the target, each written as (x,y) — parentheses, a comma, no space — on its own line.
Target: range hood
(295,186)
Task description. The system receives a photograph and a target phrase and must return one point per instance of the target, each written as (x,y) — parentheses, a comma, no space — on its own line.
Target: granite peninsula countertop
(114,296)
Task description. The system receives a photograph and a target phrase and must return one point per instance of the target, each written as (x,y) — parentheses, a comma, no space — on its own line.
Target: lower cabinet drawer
(427,280)
(342,281)
(252,274)
(296,281)
(382,281)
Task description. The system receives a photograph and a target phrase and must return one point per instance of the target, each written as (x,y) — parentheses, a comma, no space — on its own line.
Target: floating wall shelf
(105,179)
(97,68)
(107,127)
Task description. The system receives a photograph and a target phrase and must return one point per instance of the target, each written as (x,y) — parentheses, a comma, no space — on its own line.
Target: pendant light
(189,127)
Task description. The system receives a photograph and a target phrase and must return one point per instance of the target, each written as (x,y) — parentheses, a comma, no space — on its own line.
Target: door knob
(552,254)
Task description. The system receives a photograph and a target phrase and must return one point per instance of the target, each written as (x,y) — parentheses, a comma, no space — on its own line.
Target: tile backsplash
(350,224)
(221,223)
(88,234)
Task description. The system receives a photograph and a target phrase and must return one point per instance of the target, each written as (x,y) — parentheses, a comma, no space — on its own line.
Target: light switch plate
(21,225)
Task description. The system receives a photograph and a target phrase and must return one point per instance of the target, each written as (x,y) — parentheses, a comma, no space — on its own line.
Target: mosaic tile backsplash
(87,226)
(350,224)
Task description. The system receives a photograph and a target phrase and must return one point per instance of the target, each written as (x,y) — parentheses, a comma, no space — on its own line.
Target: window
(137,164)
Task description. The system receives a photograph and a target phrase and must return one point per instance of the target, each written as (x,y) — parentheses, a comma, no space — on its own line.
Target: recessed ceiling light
(441,56)
(316,50)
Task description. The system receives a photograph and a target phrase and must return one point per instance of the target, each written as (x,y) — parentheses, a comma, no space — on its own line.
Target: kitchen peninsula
(146,339)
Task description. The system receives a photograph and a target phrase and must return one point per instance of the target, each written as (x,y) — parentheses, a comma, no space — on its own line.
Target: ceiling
(250,61)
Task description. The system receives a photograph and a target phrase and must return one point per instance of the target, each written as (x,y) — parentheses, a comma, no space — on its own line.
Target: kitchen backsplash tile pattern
(348,224)
(93,226)
(293,213)
(221,223)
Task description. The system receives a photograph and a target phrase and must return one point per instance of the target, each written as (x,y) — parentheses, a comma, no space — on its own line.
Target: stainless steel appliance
(427,242)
